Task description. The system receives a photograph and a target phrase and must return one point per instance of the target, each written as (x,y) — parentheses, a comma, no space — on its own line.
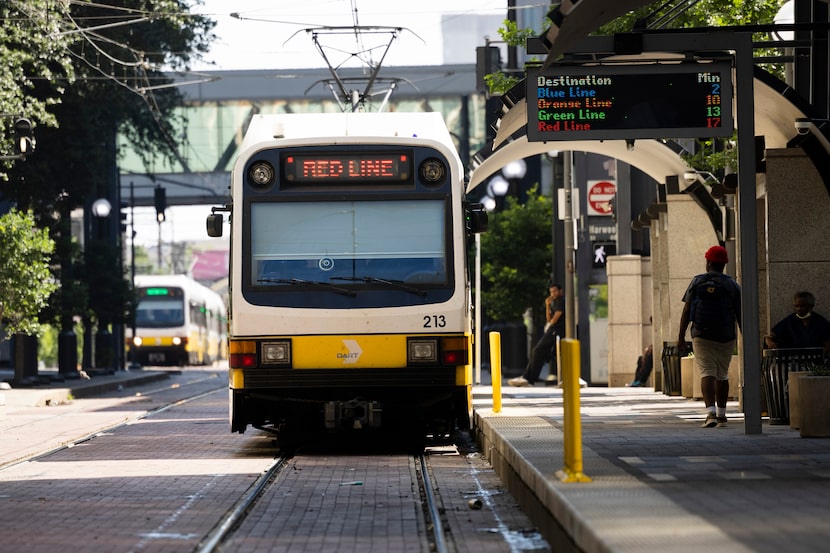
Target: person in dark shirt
(804,328)
(712,304)
(544,348)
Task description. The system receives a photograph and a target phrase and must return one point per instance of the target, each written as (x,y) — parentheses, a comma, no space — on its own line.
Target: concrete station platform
(659,482)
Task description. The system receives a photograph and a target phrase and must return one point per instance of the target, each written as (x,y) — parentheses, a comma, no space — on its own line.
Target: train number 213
(434,321)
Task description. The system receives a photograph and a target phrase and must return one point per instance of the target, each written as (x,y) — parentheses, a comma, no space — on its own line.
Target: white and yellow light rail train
(350,306)
(178,322)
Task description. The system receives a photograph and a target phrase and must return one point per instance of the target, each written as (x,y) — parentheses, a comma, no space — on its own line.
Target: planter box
(813,407)
(793,395)
(690,378)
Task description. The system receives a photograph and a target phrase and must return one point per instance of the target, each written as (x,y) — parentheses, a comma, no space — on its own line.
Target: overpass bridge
(220,104)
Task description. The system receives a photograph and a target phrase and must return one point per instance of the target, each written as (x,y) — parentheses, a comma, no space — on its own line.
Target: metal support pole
(570,258)
(748,236)
(477,376)
(67,340)
(158,253)
(133,354)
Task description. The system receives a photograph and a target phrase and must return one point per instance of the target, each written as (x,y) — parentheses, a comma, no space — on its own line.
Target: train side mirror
(476,218)
(214,225)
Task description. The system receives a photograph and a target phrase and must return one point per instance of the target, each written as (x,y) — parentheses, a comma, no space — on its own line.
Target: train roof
(267,127)
(170,280)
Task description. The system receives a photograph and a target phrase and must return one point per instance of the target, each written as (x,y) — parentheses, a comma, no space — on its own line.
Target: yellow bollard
(572,422)
(495,369)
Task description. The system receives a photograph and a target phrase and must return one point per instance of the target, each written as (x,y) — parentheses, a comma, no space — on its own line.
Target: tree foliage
(705,13)
(701,14)
(516,259)
(120,86)
(90,71)
(25,280)
(36,65)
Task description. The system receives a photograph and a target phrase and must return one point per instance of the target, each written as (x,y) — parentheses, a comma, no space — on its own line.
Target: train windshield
(158,312)
(349,242)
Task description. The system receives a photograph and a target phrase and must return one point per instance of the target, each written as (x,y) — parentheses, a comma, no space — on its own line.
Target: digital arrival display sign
(685,100)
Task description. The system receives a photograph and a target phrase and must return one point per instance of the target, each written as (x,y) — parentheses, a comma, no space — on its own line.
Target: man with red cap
(712,303)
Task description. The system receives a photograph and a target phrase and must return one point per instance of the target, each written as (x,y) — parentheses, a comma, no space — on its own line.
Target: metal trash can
(670,359)
(776,364)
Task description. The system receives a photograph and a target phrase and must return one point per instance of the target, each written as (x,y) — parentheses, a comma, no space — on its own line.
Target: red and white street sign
(600,194)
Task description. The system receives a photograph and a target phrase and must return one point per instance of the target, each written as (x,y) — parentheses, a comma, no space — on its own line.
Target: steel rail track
(225,526)
(431,510)
(434,525)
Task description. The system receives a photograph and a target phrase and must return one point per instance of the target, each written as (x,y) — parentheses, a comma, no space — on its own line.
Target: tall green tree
(36,65)
(516,259)
(122,53)
(25,279)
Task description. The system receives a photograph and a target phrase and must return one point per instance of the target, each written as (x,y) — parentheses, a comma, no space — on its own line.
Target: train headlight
(433,172)
(422,350)
(137,341)
(177,341)
(276,353)
(261,174)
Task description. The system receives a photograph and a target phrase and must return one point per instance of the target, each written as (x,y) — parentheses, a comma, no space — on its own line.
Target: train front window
(160,312)
(349,243)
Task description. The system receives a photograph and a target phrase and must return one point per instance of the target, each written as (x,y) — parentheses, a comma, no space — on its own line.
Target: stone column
(797,230)
(629,309)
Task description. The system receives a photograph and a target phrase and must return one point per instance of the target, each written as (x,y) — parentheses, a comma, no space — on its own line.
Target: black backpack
(711,309)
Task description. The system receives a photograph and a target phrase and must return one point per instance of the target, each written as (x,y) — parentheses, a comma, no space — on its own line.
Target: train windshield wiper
(391,283)
(314,284)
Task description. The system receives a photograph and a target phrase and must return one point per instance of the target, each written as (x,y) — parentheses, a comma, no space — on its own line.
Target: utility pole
(133,358)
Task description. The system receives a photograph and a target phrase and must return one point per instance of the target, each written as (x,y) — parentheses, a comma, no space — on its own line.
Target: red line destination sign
(685,100)
(330,167)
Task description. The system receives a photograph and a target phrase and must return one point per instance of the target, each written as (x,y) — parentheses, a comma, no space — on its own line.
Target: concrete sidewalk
(660,482)
(36,419)
(53,390)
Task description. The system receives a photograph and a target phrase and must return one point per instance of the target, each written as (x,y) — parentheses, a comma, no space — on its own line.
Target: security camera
(803,125)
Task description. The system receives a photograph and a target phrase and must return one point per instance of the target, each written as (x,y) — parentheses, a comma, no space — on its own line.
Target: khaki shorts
(712,358)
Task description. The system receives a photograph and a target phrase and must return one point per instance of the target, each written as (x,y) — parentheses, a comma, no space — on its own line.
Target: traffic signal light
(488,60)
(161,203)
(24,140)
(601,252)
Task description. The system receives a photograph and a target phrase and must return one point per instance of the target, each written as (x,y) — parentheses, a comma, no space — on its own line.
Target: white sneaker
(582,383)
(519,382)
